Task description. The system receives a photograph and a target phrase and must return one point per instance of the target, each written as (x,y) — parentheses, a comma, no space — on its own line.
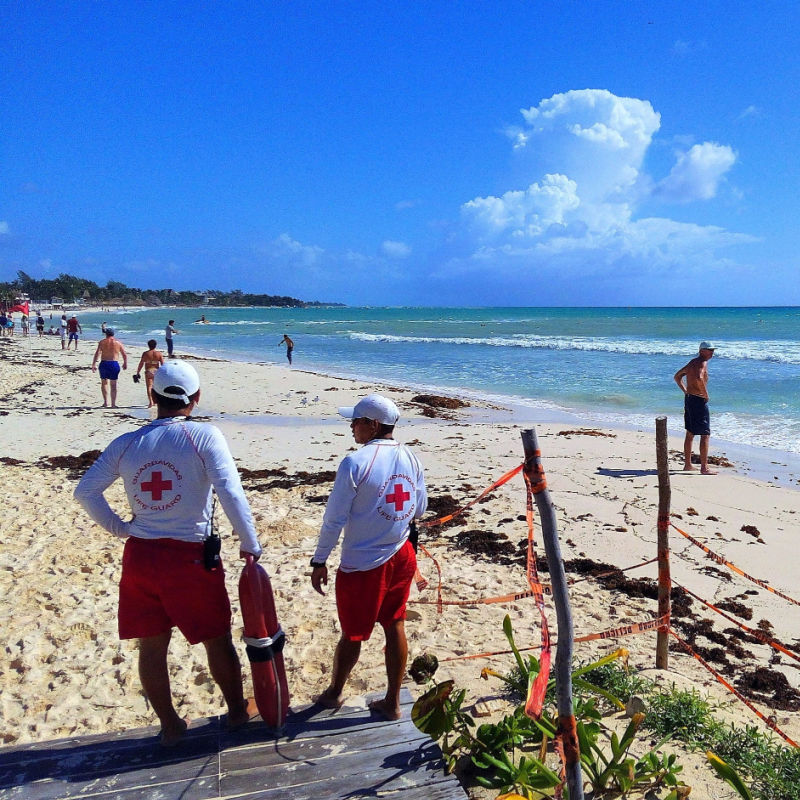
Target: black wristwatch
(317,564)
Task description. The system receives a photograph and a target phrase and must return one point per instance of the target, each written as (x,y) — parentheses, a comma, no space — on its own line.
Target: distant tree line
(71,288)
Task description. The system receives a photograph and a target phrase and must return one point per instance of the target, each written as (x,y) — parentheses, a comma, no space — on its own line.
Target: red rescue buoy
(264,639)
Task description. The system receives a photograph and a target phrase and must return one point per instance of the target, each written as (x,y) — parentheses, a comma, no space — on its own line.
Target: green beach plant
(729,775)
(511,754)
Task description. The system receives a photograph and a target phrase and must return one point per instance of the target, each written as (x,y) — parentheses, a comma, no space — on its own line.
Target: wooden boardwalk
(322,755)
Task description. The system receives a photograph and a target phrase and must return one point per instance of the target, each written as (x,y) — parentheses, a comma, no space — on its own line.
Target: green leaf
(729,775)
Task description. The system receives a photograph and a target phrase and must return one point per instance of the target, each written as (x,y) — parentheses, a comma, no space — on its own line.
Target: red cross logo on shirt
(156,485)
(398,497)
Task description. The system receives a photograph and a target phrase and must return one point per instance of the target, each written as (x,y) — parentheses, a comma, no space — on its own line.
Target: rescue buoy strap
(264,649)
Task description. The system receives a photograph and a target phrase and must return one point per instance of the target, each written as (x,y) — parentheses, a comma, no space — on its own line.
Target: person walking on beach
(73,329)
(171,576)
(151,360)
(169,332)
(289,346)
(695,406)
(379,490)
(40,324)
(109,351)
(63,331)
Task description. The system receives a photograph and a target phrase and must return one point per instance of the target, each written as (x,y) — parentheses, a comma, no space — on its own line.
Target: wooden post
(664,579)
(558,579)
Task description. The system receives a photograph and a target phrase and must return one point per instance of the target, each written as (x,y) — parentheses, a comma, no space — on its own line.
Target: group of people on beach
(110,352)
(170,468)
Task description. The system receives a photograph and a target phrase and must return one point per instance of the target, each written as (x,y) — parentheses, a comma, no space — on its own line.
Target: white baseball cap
(373,406)
(706,346)
(177,380)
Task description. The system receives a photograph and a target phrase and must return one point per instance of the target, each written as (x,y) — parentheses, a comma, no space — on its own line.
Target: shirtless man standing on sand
(109,351)
(695,408)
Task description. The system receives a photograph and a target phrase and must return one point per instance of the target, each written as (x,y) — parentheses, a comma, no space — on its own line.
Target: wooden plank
(105,758)
(381,769)
(317,749)
(324,754)
(196,788)
(362,736)
(435,791)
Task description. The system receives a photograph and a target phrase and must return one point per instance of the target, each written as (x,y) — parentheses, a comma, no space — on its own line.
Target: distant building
(56,301)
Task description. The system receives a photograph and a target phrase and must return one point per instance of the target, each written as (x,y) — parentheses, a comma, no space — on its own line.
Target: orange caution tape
(760,635)
(420,581)
(431,523)
(612,572)
(770,723)
(439,601)
(535,473)
(538,688)
(486,601)
(627,630)
(720,560)
(611,633)
(422,584)
(568,737)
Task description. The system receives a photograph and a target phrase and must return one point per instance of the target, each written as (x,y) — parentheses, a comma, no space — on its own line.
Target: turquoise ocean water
(611,366)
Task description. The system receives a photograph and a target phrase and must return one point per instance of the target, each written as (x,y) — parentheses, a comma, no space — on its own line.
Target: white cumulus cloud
(395,249)
(523,213)
(286,247)
(579,211)
(4,228)
(697,173)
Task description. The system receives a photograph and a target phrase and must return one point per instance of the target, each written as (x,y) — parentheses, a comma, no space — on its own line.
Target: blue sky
(438,153)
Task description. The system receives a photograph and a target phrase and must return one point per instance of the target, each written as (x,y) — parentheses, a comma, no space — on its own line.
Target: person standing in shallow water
(169,332)
(695,407)
(289,347)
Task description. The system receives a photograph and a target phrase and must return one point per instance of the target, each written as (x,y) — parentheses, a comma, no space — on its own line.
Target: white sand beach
(64,671)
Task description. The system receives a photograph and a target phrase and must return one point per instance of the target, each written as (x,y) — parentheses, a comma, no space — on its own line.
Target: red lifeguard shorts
(377,595)
(164,585)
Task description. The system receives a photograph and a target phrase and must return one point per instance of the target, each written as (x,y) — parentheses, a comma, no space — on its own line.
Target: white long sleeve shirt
(378,491)
(168,468)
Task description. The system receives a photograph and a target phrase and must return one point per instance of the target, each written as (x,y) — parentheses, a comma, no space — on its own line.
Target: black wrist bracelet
(317,564)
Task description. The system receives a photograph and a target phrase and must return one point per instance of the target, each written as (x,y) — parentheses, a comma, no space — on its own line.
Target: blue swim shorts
(696,418)
(109,370)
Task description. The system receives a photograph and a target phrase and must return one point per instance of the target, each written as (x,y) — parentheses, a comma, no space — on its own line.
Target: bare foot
(707,471)
(237,720)
(385,709)
(105,405)
(330,700)
(171,736)
(689,469)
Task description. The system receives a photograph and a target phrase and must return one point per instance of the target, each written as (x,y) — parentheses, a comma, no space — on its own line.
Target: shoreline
(732,423)
(771,466)
(66,673)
